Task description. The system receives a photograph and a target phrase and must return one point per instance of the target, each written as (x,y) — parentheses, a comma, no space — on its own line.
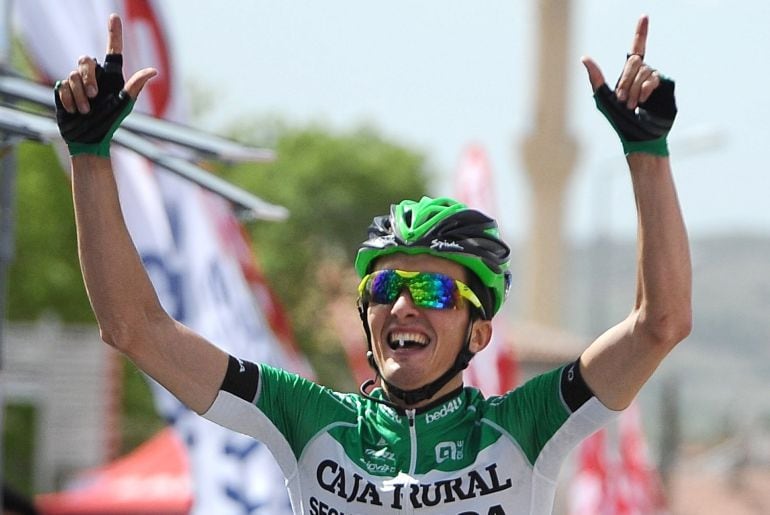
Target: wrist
(89,160)
(101,149)
(655,147)
(645,162)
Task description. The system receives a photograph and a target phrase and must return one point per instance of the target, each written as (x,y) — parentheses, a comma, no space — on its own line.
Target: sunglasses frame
(462,288)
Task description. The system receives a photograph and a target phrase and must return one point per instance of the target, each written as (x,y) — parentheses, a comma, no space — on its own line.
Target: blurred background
(363,105)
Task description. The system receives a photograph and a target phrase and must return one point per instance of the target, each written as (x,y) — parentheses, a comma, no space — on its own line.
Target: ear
(481,335)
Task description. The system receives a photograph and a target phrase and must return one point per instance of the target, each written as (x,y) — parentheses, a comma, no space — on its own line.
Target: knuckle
(85,59)
(74,76)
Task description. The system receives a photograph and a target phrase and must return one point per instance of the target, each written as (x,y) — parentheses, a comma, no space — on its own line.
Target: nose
(404,305)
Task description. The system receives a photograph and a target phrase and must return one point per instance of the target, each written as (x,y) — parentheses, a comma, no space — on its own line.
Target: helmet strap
(411,397)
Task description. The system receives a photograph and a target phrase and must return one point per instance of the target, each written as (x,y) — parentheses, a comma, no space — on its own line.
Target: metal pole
(7,188)
(7,179)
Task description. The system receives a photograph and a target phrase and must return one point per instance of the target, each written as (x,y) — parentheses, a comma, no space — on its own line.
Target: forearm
(127,309)
(664,275)
(621,360)
(120,292)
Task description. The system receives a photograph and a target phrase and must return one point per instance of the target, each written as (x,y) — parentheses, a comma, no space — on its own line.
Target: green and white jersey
(346,454)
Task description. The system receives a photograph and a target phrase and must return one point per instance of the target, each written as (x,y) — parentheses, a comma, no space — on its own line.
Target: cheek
(450,320)
(376,316)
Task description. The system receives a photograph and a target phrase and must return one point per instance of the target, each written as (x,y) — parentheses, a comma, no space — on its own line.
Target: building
(66,374)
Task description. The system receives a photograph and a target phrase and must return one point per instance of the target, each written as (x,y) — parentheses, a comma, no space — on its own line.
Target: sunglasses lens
(384,287)
(435,291)
(428,290)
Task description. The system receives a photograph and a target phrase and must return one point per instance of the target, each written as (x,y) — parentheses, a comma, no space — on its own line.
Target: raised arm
(622,359)
(91,103)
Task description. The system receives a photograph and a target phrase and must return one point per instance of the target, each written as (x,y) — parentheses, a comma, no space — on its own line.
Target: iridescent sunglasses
(427,289)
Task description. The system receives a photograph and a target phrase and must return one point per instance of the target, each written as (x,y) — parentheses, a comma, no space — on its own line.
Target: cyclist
(433,274)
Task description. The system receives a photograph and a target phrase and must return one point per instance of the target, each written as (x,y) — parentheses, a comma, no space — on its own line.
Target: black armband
(241,379)
(574,389)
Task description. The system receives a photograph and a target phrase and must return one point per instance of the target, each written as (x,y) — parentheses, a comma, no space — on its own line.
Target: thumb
(137,81)
(595,76)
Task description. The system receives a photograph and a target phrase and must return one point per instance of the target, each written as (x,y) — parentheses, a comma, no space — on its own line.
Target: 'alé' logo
(443,411)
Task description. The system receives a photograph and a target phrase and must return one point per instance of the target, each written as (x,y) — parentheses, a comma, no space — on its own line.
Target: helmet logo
(445,245)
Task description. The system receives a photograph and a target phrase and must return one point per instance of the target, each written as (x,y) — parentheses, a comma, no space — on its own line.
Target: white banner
(188,241)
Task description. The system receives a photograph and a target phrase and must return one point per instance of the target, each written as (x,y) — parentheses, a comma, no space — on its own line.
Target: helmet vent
(408,217)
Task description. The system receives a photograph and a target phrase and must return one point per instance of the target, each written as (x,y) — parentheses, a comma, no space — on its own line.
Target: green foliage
(19,421)
(44,275)
(139,419)
(333,185)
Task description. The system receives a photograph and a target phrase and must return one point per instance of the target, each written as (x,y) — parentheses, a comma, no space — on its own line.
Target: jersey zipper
(413,440)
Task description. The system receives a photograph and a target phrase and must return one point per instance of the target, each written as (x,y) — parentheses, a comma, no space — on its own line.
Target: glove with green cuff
(645,128)
(91,133)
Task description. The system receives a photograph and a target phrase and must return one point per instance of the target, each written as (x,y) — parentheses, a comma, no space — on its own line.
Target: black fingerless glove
(92,133)
(645,128)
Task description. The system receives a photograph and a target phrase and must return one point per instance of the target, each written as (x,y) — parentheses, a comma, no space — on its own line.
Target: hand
(93,100)
(642,107)
(638,80)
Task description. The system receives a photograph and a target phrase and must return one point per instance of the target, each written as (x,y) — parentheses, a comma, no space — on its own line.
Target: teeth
(402,340)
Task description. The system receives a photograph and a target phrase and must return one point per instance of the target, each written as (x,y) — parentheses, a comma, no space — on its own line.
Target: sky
(437,75)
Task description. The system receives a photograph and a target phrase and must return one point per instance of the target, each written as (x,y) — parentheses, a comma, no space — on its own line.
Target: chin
(401,377)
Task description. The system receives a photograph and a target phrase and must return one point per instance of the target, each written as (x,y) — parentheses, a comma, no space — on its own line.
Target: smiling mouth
(406,340)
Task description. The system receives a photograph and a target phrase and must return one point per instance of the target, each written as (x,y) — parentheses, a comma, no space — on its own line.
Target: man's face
(432,337)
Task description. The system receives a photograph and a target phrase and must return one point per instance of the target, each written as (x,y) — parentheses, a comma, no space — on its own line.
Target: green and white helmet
(448,229)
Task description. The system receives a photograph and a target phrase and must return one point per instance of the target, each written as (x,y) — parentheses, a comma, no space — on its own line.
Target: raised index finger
(639,44)
(115,35)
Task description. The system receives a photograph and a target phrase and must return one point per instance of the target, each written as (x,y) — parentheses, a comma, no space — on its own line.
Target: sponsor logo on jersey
(439,413)
(449,451)
(390,413)
(379,461)
(381,454)
(352,488)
